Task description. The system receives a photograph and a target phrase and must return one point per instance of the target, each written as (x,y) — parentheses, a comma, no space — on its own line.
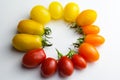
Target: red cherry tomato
(33,58)
(78,61)
(65,66)
(49,67)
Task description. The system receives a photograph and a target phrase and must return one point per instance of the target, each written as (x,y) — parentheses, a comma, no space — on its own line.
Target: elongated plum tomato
(86,17)
(48,67)
(65,66)
(78,61)
(71,11)
(30,27)
(56,10)
(26,42)
(91,29)
(33,58)
(94,39)
(88,52)
(41,14)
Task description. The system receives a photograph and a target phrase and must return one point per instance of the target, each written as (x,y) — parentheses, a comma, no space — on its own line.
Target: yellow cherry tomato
(71,11)
(56,10)
(25,42)
(30,27)
(86,17)
(40,14)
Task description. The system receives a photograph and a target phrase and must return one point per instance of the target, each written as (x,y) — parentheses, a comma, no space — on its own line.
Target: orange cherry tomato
(91,29)
(94,39)
(86,17)
(88,52)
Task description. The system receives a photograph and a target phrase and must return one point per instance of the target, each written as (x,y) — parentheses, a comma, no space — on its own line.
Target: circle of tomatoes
(87,51)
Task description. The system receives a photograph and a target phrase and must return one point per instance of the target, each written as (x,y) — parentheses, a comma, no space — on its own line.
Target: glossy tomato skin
(33,58)
(78,61)
(94,39)
(88,52)
(65,66)
(48,67)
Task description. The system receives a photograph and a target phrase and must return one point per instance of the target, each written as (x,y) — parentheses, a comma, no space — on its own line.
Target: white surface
(107,68)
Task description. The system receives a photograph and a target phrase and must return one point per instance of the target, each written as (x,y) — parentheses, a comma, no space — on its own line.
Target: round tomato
(88,52)
(71,11)
(41,14)
(78,61)
(33,58)
(94,39)
(65,66)
(86,17)
(48,67)
(91,29)
(56,10)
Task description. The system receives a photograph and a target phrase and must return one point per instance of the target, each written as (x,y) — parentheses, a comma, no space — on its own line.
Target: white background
(108,66)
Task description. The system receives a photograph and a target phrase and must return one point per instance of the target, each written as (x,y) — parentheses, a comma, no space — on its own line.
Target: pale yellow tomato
(86,17)
(56,10)
(40,14)
(71,11)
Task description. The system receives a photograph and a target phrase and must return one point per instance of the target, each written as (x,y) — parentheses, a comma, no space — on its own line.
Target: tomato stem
(79,41)
(48,31)
(70,53)
(77,28)
(59,54)
(45,42)
(74,25)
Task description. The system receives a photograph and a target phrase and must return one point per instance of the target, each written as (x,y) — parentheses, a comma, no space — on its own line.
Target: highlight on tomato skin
(94,39)
(88,52)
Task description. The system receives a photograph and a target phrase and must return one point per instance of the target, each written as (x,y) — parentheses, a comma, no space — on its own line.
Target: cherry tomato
(71,11)
(48,67)
(78,61)
(86,17)
(65,66)
(56,10)
(33,58)
(91,29)
(94,39)
(88,52)
(40,14)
